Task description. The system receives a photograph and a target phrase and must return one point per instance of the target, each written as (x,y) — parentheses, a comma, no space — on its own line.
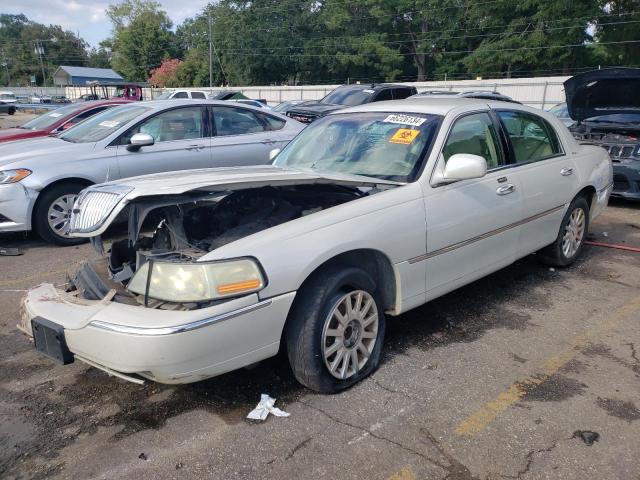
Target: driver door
(472,225)
(181,143)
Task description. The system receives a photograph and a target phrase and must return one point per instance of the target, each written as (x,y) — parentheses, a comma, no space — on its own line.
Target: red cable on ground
(613,245)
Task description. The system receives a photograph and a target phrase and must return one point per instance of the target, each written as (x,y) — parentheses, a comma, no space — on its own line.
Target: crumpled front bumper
(162,345)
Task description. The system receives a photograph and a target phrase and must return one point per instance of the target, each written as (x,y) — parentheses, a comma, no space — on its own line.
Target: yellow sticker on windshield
(404,136)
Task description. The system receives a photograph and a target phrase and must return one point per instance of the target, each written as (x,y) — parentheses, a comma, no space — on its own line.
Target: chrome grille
(93,206)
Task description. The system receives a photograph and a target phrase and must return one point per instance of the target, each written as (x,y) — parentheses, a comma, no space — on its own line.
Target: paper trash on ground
(264,408)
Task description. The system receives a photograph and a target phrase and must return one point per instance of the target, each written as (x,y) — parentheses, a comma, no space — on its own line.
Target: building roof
(90,72)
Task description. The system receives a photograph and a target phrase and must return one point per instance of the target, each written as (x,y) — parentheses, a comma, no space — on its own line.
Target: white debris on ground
(264,408)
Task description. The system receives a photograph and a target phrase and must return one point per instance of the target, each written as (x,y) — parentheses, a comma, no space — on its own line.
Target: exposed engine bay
(170,230)
(621,143)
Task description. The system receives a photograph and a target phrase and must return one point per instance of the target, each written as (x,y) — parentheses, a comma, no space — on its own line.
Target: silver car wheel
(59,214)
(573,233)
(350,333)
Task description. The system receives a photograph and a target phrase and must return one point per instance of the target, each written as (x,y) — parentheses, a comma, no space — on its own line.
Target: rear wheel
(570,240)
(53,212)
(335,330)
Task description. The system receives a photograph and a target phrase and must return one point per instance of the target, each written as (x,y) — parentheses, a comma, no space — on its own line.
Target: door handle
(195,147)
(506,189)
(268,142)
(565,172)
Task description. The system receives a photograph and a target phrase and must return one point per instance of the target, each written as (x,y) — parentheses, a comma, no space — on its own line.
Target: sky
(87,16)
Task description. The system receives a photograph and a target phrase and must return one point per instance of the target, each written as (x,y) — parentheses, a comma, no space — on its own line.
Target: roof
(372,86)
(90,72)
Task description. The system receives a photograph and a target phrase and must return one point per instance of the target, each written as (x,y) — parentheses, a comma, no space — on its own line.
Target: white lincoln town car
(366,214)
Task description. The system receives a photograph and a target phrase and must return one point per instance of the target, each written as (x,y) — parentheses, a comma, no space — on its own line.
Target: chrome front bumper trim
(187,327)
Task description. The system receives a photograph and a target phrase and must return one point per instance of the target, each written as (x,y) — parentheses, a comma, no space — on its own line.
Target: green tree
(142,38)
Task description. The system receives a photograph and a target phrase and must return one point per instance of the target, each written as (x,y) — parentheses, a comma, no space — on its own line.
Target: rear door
(243,136)
(548,175)
(473,225)
(182,142)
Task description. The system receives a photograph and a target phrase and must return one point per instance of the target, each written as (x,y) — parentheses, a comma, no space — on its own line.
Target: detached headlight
(197,282)
(13,176)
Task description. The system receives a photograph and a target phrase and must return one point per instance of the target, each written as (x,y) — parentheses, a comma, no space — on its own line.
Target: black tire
(12,110)
(305,326)
(553,254)
(40,213)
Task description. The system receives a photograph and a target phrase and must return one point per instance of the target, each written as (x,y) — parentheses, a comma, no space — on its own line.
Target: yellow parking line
(405,474)
(479,420)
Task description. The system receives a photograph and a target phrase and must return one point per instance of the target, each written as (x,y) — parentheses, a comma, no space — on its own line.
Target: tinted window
(272,123)
(348,96)
(197,95)
(176,124)
(532,137)
(383,95)
(181,95)
(474,134)
(400,93)
(235,121)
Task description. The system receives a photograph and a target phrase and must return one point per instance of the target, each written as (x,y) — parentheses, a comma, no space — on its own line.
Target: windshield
(618,118)
(102,125)
(164,96)
(48,119)
(560,111)
(7,96)
(389,146)
(347,96)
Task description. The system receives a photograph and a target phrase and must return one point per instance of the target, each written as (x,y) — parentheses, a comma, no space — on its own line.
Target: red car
(57,120)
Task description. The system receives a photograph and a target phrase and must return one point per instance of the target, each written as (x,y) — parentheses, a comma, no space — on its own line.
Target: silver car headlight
(13,176)
(94,205)
(198,281)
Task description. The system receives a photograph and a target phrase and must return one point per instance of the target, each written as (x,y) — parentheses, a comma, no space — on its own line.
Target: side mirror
(140,140)
(463,166)
(273,153)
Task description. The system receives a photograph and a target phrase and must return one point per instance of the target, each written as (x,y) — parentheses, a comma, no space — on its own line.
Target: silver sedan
(40,179)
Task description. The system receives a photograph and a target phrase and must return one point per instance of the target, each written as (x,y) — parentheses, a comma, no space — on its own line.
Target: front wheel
(335,330)
(53,212)
(570,240)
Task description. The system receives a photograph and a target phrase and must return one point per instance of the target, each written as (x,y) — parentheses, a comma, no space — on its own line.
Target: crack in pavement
(530,458)
(299,446)
(456,469)
(391,390)
(634,355)
(375,435)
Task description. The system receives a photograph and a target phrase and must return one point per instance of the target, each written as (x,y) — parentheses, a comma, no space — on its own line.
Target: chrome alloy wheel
(350,333)
(59,214)
(573,233)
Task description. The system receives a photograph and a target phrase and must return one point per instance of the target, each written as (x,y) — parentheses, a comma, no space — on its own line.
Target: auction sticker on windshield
(405,120)
(109,124)
(404,136)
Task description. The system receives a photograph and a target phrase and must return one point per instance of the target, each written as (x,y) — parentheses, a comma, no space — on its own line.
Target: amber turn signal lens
(228,288)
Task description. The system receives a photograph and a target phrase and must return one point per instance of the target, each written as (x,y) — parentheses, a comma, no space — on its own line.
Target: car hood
(315,108)
(603,92)
(234,178)
(31,152)
(11,134)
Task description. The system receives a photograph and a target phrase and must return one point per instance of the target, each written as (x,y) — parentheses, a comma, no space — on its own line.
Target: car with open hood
(40,178)
(349,96)
(367,213)
(605,105)
(56,121)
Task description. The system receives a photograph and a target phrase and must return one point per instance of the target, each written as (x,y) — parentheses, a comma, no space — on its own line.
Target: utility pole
(5,64)
(39,50)
(210,55)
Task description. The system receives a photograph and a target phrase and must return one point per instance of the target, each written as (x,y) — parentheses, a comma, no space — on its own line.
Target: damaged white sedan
(367,213)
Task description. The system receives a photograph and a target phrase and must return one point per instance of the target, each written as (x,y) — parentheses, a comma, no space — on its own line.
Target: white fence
(539,92)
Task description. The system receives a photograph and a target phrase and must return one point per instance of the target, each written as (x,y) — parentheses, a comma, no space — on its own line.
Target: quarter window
(401,93)
(474,134)
(383,95)
(532,138)
(235,121)
(177,124)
